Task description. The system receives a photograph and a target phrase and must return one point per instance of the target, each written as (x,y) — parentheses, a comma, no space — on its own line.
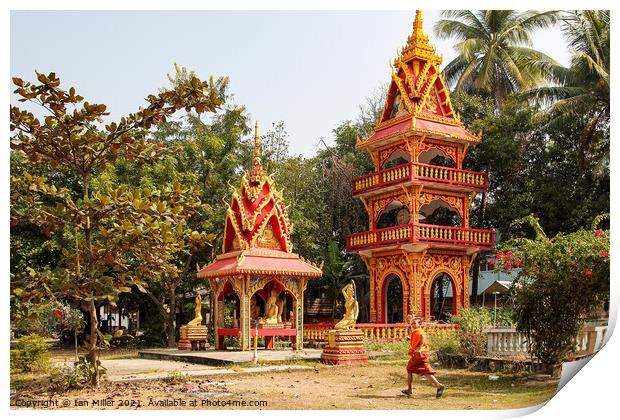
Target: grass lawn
(376,385)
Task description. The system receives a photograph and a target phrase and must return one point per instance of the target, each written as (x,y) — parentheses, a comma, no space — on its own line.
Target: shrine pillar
(244,308)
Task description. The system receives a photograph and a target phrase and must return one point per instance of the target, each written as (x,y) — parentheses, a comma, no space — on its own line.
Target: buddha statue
(272,311)
(197,313)
(280,304)
(351,308)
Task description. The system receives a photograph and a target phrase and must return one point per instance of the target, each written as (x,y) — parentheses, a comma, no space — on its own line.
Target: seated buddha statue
(272,311)
(351,308)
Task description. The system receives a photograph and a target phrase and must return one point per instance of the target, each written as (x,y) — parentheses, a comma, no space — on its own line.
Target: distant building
(318,309)
(493,282)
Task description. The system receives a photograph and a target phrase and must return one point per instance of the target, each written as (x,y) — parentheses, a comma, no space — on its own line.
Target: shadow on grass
(504,384)
(378,397)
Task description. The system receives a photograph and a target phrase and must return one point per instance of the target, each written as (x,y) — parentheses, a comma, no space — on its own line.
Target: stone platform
(228,357)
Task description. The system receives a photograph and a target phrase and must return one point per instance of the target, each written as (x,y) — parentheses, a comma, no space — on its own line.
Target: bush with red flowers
(562,281)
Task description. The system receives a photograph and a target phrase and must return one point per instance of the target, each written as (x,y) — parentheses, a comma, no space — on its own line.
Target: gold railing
(372,331)
(421,172)
(452,234)
(419,232)
(395,234)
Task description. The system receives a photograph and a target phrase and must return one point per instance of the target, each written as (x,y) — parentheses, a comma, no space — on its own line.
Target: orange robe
(419,362)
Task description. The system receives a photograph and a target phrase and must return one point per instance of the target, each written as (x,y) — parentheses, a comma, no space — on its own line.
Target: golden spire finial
(417,24)
(418,45)
(257,148)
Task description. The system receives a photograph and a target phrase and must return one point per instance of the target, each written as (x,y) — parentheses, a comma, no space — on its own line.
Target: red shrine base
(344,347)
(266,331)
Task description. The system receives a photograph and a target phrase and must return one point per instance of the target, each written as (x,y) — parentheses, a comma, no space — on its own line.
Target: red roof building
(257,269)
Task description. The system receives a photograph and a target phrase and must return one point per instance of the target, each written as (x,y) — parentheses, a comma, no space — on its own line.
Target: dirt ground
(376,385)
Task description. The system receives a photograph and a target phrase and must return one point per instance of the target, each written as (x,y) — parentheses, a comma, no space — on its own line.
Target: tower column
(373,289)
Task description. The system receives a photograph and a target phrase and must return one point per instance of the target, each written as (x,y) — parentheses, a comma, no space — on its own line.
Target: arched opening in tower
(393,312)
(397,158)
(440,213)
(436,157)
(394,214)
(442,298)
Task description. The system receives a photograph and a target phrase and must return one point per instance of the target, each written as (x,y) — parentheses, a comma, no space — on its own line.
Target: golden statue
(351,308)
(272,310)
(197,313)
(280,304)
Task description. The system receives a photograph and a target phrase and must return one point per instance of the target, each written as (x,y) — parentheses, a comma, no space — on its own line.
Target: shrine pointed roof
(418,100)
(257,230)
(259,261)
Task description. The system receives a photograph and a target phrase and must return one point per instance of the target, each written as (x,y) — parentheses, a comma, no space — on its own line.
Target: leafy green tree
(563,281)
(337,272)
(531,169)
(206,156)
(303,188)
(581,91)
(112,238)
(495,57)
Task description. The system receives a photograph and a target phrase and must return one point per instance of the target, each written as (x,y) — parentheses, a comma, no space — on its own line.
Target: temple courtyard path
(307,385)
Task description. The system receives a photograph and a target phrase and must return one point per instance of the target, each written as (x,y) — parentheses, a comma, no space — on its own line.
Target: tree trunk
(171,327)
(92,308)
(92,344)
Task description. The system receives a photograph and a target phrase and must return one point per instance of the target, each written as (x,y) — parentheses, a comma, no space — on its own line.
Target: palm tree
(581,91)
(337,273)
(494,54)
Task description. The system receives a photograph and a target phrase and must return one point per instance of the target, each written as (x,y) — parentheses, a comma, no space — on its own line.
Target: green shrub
(505,317)
(473,322)
(33,318)
(232,342)
(31,355)
(120,339)
(397,346)
(81,373)
(563,279)
(443,340)
(474,319)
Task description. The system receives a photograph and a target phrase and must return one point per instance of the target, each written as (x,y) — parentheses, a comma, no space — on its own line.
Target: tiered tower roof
(257,230)
(418,99)
(257,216)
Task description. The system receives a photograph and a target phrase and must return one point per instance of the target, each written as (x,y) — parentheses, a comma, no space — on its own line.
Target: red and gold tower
(419,197)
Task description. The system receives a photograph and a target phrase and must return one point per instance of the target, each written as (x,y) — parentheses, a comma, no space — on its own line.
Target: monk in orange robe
(419,362)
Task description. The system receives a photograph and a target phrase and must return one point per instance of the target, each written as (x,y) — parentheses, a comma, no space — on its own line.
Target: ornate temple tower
(419,248)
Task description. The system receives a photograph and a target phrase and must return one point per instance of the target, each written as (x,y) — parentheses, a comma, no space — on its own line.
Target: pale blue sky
(308,69)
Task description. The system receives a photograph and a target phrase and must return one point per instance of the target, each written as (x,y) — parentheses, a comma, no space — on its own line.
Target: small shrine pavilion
(257,276)
(419,247)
